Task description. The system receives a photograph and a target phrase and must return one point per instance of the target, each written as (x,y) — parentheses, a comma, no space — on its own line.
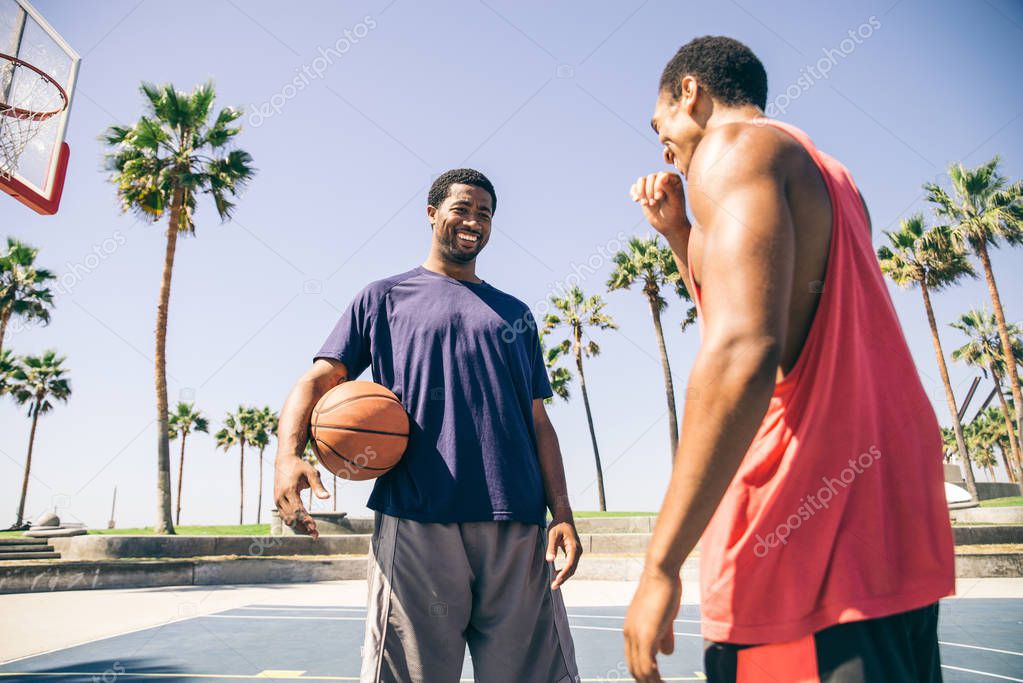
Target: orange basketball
(359,430)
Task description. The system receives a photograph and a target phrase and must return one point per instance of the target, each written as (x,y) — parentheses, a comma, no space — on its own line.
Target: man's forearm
(729,391)
(552,470)
(678,242)
(293,426)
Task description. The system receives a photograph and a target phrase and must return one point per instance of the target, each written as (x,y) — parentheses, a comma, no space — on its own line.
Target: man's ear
(690,90)
(431,215)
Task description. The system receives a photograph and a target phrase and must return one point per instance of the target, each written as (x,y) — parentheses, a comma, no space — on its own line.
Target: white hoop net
(27,100)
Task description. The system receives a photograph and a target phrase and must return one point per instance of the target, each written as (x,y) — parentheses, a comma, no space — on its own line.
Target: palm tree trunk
(259,498)
(1010,469)
(957,425)
(181,475)
(589,420)
(1003,335)
(1013,443)
(241,484)
(5,317)
(28,464)
(669,386)
(164,523)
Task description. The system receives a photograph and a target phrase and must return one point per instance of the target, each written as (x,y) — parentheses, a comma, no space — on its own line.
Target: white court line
(981,673)
(272,616)
(978,647)
(298,608)
(618,630)
(612,616)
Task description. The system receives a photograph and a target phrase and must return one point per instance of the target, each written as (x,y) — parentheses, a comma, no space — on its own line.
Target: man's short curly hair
(729,71)
(465,176)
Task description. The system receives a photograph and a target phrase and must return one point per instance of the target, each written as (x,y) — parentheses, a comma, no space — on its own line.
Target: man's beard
(452,252)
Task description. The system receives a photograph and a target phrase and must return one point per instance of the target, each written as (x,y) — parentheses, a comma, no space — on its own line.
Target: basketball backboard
(38,70)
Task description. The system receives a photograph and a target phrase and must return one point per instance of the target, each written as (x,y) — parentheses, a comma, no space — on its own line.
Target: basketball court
(313,633)
(264,632)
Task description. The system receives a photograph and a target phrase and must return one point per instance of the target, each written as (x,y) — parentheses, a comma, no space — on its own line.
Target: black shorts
(902,648)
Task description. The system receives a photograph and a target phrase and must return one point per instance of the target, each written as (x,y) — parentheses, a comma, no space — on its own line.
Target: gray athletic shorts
(433,588)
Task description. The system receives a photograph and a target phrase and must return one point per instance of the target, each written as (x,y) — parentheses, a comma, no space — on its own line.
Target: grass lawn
(1010,502)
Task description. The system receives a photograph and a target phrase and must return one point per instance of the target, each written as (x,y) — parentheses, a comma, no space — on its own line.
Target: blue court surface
(982,640)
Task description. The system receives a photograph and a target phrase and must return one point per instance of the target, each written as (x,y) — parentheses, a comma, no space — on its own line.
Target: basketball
(359,430)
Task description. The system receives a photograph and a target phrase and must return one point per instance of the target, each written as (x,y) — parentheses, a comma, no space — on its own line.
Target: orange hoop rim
(18,112)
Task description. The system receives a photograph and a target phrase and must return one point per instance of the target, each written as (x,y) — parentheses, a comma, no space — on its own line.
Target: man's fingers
(667,645)
(664,183)
(552,545)
(651,192)
(640,188)
(317,484)
(641,660)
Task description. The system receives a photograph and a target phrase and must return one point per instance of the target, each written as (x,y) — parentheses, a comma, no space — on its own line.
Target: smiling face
(461,224)
(677,130)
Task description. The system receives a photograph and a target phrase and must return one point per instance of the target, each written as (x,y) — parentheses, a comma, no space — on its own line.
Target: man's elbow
(751,359)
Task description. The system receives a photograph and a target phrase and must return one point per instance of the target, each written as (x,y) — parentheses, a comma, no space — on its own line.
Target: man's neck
(458,271)
(722,116)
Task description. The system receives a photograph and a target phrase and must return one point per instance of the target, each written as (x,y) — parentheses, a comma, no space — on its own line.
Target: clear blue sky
(551,100)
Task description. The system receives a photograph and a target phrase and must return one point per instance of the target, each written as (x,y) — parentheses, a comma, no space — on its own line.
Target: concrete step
(614,525)
(45,576)
(21,540)
(613,544)
(26,547)
(29,556)
(111,547)
(988,534)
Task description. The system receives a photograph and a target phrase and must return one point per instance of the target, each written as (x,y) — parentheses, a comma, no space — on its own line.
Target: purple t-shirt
(465,361)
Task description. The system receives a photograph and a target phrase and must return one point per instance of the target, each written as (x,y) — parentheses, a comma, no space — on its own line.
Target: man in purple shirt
(461,553)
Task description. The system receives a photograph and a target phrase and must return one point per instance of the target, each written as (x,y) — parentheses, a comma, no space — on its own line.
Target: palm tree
(984,351)
(36,381)
(559,377)
(916,256)
(264,428)
(239,428)
(160,166)
(992,427)
(6,368)
(183,421)
(647,260)
(23,287)
(985,209)
(578,313)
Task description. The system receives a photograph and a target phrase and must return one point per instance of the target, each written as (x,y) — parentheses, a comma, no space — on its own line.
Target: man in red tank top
(810,457)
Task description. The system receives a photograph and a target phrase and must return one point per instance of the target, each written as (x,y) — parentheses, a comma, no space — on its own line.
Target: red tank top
(837,512)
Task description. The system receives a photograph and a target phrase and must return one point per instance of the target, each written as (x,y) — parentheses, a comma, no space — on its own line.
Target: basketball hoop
(28,98)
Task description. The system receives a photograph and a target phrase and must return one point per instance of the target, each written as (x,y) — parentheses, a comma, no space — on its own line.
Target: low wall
(996,489)
(62,576)
(1006,515)
(109,547)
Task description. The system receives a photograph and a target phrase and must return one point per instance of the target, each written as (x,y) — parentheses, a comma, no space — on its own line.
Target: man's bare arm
(292,474)
(747,264)
(552,467)
(562,531)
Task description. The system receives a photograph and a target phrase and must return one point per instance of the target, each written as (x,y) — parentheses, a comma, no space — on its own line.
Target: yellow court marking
(275,674)
(280,673)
